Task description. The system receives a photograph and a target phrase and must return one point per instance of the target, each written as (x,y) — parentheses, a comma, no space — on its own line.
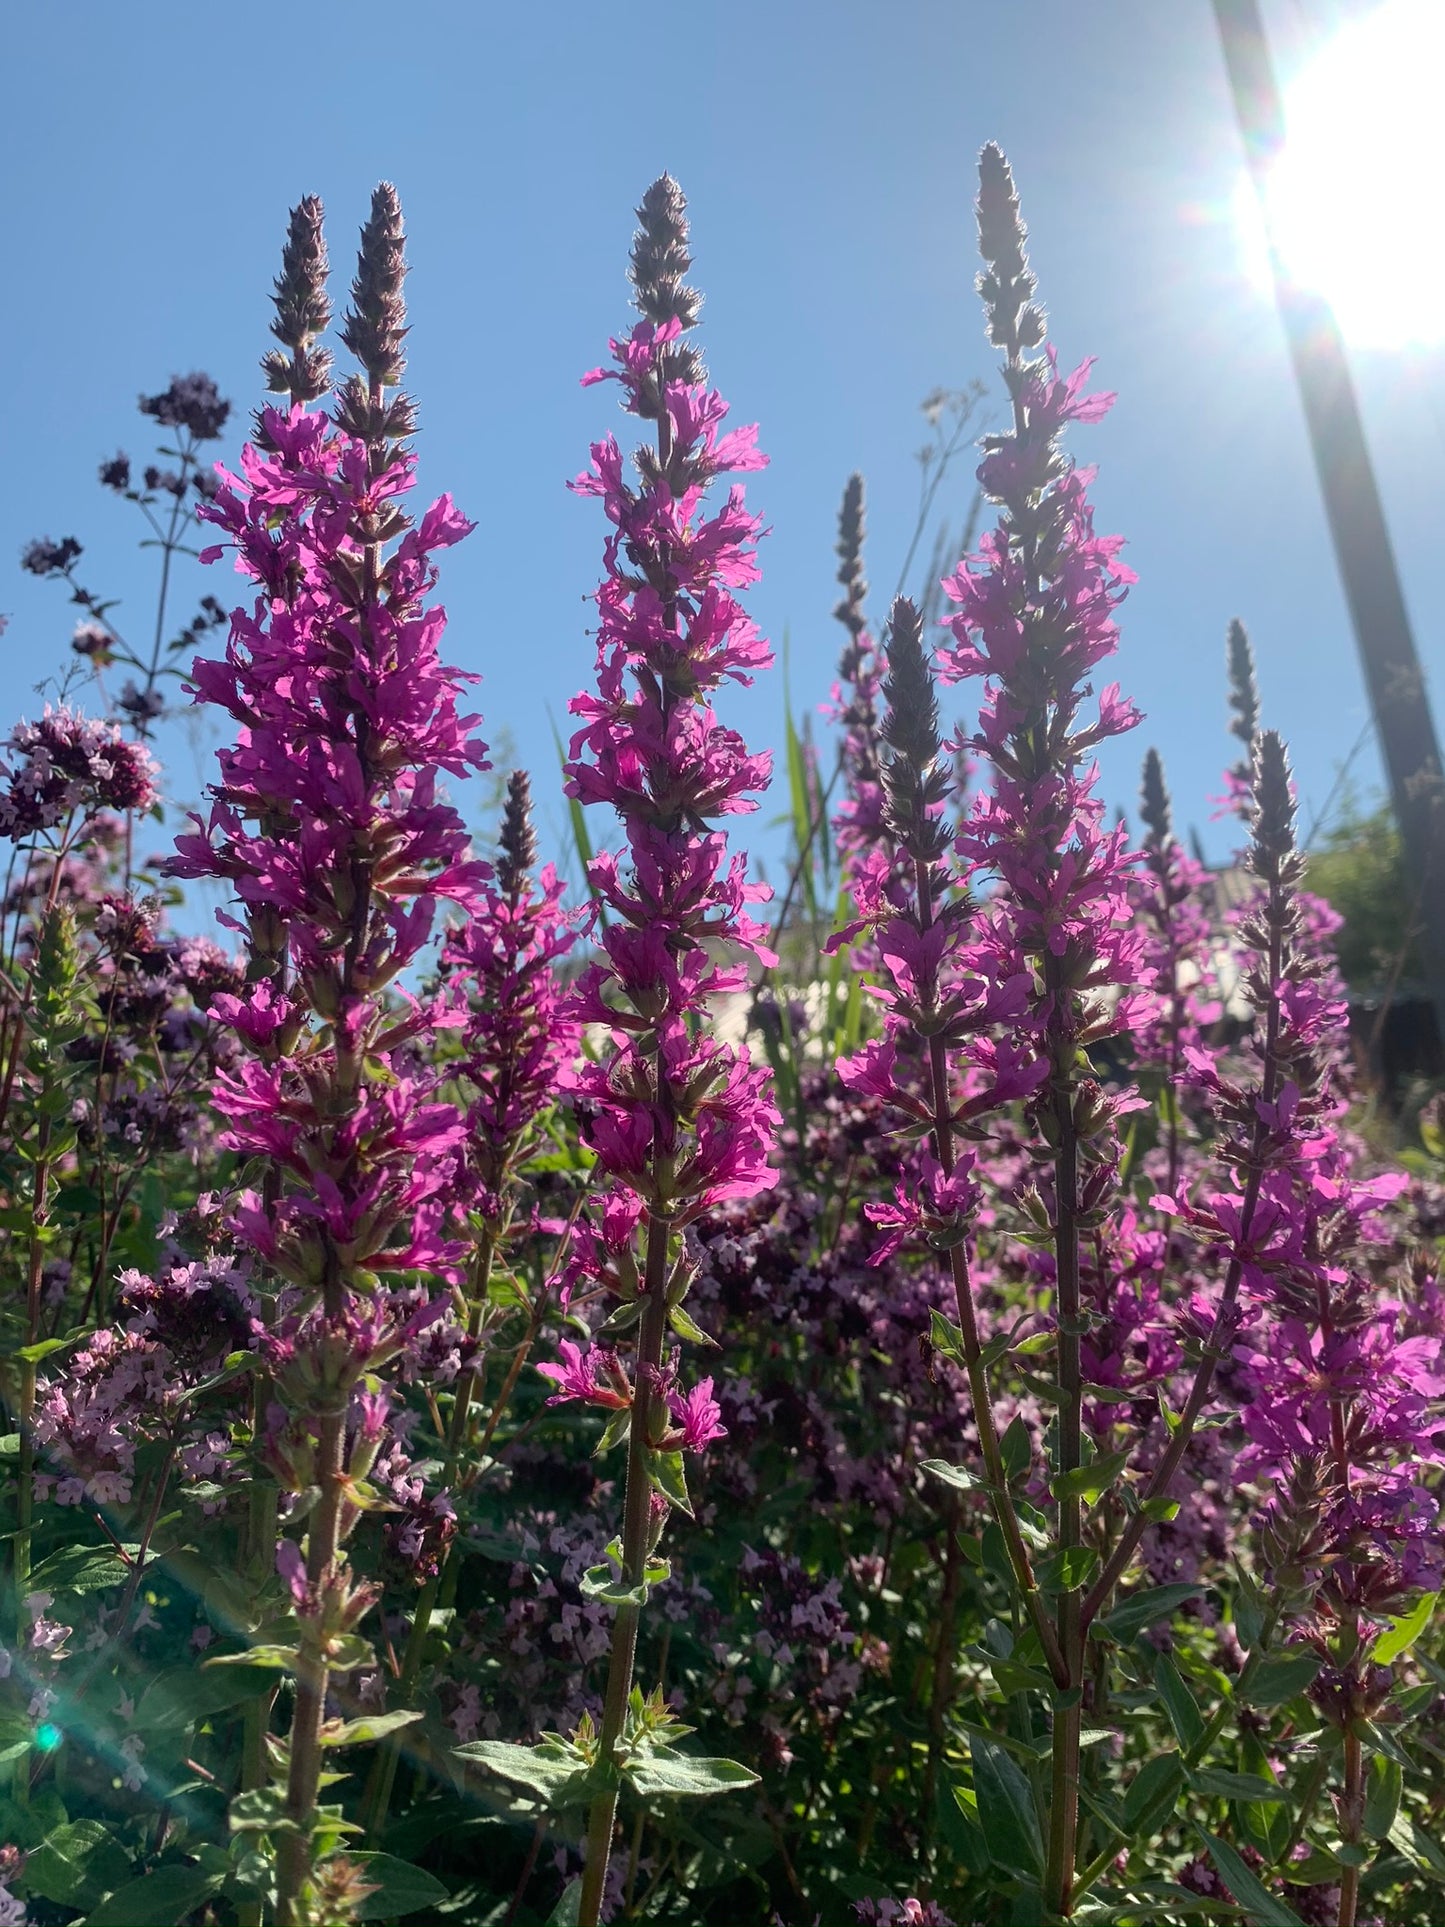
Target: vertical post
(1393,676)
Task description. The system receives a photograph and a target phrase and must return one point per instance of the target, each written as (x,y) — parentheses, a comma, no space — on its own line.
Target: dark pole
(1356,517)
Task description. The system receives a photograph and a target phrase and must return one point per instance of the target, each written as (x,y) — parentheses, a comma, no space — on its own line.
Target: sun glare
(1356,198)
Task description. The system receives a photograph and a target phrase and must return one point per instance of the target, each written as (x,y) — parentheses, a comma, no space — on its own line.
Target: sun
(1356,200)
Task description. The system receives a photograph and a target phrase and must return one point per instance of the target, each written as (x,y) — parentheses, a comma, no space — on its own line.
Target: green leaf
(1258,1902)
(568,1910)
(178,1697)
(954,1475)
(1017,1448)
(1264,1824)
(76,1864)
(1249,1610)
(661,1772)
(1090,1482)
(279,1658)
(400,1887)
(1006,1810)
(665,1470)
(259,1810)
(1417,1846)
(1147,1608)
(556,1773)
(1067,1569)
(1382,1796)
(33,1354)
(79,1569)
(686,1327)
(371,1726)
(1279,1679)
(1152,1792)
(1222,1784)
(161,1898)
(1178,1702)
(1402,1633)
(946,1337)
(605,1584)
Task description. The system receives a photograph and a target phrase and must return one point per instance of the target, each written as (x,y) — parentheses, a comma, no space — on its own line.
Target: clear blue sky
(827,149)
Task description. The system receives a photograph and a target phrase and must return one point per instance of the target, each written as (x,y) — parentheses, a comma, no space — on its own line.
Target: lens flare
(1353,200)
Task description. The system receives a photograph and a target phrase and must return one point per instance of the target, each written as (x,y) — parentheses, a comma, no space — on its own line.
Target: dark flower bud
(375,324)
(116,473)
(1272,819)
(914,786)
(93,642)
(660,256)
(1243,695)
(851,530)
(1007,284)
(303,310)
(518,838)
(911,725)
(192,402)
(1154,805)
(141,705)
(660,259)
(44,557)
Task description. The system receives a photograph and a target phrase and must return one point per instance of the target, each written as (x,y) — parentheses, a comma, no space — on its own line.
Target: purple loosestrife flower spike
(677,1120)
(1035,617)
(328,825)
(854,701)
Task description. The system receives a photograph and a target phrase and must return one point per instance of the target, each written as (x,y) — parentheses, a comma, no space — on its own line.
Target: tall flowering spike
(303,309)
(328,825)
(1155,809)
(856,696)
(677,1120)
(1035,617)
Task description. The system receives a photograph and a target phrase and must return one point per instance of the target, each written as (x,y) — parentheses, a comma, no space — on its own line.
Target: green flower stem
(1352,1827)
(1064,1781)
(382,1778)
(313,1673)
(996,1478)
(636,1523)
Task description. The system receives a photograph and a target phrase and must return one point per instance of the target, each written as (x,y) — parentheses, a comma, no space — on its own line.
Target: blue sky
(828,154)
